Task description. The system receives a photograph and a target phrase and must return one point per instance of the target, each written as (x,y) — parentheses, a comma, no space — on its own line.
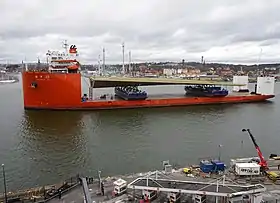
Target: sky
(227,31)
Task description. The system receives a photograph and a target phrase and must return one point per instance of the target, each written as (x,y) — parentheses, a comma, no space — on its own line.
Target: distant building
(194,71)
(169,71)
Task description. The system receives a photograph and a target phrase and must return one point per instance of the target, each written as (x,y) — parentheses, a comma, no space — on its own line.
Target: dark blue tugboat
(130,93)
(205,91)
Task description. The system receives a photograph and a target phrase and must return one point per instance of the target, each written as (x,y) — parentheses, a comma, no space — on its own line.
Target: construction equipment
(273,176)
(187,170)
(262,163)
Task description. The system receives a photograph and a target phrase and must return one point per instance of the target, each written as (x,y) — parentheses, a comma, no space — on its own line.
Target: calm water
(41,147)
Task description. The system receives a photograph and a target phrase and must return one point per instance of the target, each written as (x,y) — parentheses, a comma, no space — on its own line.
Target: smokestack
(103,68)
(123,68)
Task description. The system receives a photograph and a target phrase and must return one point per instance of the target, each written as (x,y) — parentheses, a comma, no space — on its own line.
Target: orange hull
(58,91)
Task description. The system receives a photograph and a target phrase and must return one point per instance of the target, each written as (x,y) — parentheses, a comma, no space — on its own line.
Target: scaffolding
(217,187)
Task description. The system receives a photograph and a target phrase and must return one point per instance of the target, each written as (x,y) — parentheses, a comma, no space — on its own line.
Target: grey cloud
(147,27)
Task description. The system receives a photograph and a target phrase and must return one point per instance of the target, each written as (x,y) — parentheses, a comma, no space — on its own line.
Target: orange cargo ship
(58,87)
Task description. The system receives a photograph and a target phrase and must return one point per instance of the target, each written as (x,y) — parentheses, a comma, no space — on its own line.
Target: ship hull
(123,104)
(56,91)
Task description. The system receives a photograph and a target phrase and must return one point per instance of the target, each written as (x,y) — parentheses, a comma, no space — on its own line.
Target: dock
(102,82)
(221,187)
(163,183)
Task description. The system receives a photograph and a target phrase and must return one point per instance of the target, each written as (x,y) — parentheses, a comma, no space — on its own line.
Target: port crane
(262,162)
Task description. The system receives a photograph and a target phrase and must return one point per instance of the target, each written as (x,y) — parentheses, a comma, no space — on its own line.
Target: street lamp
(5,187)
(99,177)
(220,146)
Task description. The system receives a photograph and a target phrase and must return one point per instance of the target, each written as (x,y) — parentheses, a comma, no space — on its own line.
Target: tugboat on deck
(130,93)
(205,91)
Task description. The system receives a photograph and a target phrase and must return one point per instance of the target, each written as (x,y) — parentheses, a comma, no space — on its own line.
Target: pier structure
(217,188)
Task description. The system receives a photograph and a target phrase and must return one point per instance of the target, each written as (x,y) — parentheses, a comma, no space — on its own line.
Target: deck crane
(263,162)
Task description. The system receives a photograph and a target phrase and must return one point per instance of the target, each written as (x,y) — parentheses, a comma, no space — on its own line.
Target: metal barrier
(86,190)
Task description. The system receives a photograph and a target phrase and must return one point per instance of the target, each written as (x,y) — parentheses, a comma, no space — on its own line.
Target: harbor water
(45,147)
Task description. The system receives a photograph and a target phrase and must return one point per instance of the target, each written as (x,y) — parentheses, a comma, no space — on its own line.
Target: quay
(216,188)
(191,184)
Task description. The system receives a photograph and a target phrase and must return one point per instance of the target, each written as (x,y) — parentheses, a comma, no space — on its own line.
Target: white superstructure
(59,61)
(265,85)
(242,80)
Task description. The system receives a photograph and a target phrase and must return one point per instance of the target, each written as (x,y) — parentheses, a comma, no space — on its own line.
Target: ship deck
(112,97)
(101,82)
(192,187)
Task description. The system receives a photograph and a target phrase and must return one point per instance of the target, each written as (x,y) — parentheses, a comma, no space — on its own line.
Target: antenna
(65,45)
(123,70)
(103,68)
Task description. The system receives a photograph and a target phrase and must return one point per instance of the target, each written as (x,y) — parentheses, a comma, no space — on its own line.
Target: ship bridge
(101,82)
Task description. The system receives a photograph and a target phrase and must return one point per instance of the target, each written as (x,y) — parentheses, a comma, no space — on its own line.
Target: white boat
(7,81)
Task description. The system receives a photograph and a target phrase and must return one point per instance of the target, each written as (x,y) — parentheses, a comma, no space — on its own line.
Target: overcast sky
(154,30)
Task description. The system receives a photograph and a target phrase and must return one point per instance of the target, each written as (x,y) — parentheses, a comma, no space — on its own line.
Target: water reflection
(53,130)
(116,136)
(53,142)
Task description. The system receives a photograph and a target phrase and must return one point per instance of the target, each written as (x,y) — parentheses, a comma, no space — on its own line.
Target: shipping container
(247,169)
(218,165)
(206,166)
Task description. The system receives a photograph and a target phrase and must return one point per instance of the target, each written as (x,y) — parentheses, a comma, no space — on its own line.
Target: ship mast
(123,69)
(129,61)
(103,68)
(65,46)
(99,66)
